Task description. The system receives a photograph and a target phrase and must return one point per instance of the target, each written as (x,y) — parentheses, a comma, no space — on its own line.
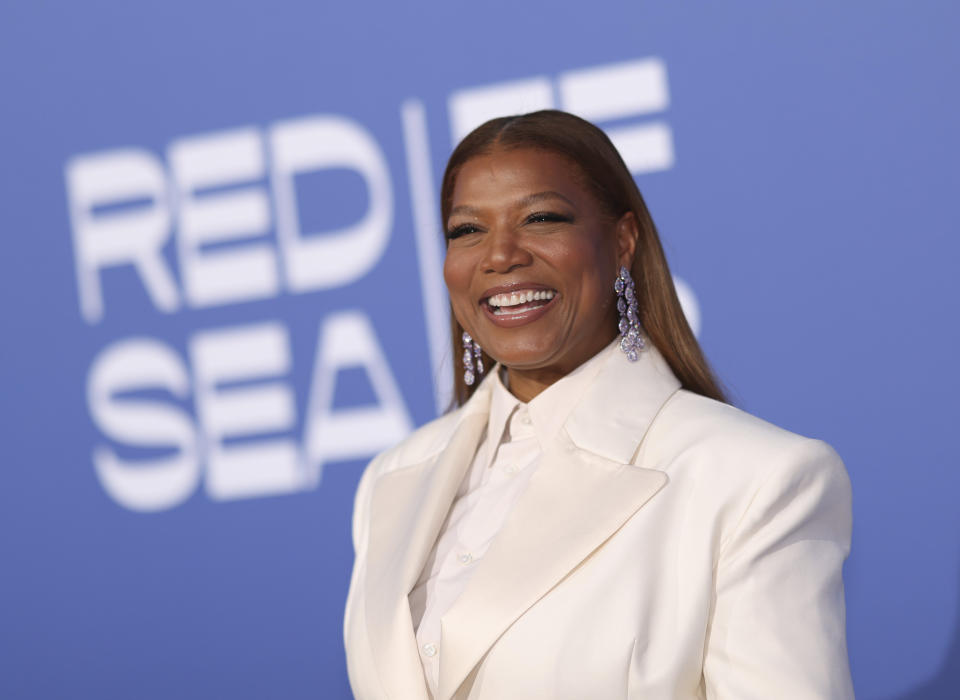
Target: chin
(526,356)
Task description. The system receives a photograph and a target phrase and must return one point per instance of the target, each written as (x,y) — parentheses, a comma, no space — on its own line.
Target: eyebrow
(523,202)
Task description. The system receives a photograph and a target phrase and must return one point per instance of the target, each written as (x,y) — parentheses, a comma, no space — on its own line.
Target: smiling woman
(592,520)
(521,223)
(550,191)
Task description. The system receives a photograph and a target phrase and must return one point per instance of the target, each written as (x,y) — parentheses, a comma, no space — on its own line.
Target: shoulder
(426,441)
(423,443)
(740,471)
(697,422)
(718,442)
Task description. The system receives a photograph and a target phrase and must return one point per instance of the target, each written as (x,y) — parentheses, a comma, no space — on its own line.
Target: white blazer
(667,547)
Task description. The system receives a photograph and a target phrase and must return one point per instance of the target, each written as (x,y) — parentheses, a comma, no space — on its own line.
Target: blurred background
(221,296)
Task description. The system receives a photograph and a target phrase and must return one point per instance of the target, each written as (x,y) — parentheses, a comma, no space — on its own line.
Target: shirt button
(510,469)
(465,558)
(525,418)
(430,650)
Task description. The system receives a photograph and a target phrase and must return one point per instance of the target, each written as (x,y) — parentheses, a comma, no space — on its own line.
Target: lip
(519,319)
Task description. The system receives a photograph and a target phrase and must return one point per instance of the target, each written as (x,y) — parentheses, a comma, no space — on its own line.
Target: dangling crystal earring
(472,357)
(631,341)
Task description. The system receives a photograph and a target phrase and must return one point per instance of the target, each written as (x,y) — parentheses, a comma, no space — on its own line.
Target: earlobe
(628,232)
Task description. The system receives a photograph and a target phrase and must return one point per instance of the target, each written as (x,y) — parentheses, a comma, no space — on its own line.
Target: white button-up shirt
(506,458)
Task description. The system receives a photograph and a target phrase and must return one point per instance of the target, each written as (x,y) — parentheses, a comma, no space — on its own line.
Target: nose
(504,251)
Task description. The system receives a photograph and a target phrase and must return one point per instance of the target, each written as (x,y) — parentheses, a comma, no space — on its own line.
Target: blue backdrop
(221,296)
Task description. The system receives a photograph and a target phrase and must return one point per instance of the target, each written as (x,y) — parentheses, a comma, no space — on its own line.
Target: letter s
(146,484)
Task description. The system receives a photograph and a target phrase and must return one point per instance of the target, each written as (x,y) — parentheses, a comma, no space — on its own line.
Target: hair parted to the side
(604,172)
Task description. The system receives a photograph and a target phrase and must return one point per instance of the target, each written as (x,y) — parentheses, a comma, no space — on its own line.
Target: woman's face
(531,260)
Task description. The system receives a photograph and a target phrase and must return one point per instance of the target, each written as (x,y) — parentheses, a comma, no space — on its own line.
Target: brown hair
(612,184)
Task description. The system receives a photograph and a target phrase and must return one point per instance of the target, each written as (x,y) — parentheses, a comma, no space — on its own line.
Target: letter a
(348,339)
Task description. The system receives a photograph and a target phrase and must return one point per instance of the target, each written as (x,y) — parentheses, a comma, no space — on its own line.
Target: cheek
(587,267)
(457,270)
(595,289)
(593,292)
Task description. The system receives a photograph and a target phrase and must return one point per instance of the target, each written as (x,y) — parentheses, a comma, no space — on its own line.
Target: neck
(527,383)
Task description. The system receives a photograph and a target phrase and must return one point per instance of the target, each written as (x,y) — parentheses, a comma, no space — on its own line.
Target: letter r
(133,235)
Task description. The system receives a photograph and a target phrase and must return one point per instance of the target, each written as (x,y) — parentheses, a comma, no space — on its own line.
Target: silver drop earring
(631,340)
(472,359)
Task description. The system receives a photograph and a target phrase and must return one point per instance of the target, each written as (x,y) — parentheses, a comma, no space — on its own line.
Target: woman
(592,521)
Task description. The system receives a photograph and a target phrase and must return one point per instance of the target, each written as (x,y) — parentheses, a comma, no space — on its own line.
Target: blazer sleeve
(359,529)
(361,504)
(778,628)
(356,645)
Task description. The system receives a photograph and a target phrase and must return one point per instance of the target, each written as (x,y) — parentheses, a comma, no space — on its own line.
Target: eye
(543,217)
(461,230)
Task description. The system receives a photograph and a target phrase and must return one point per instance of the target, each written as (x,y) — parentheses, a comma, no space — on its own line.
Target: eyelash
(540,217)
(548,217)
(460,230)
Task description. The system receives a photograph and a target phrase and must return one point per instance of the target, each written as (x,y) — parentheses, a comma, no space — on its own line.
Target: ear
(628,232)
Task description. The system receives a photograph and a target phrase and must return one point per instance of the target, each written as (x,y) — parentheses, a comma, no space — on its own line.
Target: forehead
(504,177)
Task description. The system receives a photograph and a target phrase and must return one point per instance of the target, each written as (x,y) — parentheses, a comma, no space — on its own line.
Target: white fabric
(668,547)
(504,462)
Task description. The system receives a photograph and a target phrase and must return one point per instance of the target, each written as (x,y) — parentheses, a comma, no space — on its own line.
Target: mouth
(519,305)
(519,301)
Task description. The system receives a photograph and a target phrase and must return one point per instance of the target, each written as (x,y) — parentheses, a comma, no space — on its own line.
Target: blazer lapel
(583,491)
(408,507)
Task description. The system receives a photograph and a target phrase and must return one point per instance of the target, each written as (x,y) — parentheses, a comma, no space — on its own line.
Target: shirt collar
(551,407)
(502,405)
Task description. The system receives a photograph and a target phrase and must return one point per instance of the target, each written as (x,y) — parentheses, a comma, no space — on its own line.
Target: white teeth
(522,297)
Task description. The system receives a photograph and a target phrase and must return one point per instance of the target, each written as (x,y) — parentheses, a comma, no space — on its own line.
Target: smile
(518,307)
(513,303)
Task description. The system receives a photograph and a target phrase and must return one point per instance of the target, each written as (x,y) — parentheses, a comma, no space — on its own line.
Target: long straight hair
(604,172)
